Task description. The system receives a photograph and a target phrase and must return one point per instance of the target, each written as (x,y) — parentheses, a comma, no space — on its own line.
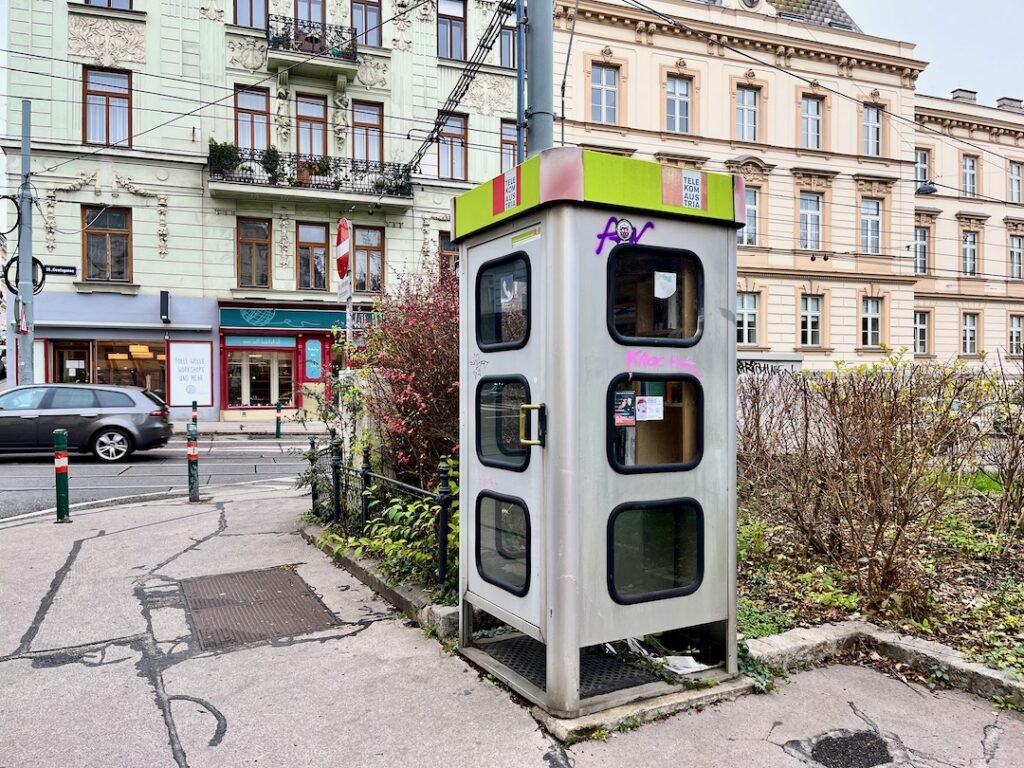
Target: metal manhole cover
(232,609)
(599,672)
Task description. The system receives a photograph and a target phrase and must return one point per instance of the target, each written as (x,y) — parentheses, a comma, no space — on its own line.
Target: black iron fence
(271,167)
(290,34)
(352,499)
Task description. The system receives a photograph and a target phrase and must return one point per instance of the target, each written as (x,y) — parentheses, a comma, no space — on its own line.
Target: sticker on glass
(664,284)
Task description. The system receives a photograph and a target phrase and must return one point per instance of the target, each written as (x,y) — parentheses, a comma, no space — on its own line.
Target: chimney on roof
(1010,104)
(966,96)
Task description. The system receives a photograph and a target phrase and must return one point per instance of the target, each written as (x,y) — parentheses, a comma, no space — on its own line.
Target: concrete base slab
(628,716)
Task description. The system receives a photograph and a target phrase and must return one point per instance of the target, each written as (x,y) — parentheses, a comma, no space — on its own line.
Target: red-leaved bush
(411,373)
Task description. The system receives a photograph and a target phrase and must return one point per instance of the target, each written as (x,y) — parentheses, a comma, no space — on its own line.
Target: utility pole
(520,81)
(540,108)
(23,314)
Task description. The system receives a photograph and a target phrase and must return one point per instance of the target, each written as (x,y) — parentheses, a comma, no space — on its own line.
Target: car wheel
(111,444)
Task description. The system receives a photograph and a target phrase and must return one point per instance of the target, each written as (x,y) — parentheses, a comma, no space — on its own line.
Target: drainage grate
(232,609)
(599,672)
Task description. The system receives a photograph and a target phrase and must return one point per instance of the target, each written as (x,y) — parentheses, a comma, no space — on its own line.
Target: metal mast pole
(25,287)
(520,81)
(540,107)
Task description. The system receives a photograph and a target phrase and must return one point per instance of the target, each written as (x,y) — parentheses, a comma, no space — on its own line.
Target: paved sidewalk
(99,666)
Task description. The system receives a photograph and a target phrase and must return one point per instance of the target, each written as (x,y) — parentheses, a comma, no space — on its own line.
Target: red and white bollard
(192,449)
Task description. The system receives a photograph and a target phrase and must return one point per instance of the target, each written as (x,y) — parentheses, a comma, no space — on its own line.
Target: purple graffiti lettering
(610,233)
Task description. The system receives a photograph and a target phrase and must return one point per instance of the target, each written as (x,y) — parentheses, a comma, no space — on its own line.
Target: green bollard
(60,469)
(277,427)
(193,462)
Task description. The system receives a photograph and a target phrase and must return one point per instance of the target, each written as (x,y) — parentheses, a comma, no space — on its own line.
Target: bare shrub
(1003,459)
(858,463)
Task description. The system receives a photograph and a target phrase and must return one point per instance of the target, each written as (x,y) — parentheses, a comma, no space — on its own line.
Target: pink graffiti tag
(619,231)
(641,360)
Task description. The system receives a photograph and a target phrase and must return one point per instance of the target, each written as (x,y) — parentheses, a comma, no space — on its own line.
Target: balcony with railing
(237,172)
(310,47)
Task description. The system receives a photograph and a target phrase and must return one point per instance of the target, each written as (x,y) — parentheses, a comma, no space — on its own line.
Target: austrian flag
(506,191)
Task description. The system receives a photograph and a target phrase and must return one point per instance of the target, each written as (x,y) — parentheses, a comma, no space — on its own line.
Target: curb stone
(410,600)
(802,647)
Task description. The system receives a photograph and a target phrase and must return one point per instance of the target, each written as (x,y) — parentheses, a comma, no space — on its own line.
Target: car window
(22,399)
(154,397)
(72,397)
(110,399)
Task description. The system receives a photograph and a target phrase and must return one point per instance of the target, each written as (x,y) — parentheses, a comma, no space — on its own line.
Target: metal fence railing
(350,498)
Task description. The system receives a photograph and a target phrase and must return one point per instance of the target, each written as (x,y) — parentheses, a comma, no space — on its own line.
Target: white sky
(974,44)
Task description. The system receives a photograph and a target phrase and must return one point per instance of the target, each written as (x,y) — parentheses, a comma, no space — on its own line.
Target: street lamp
(927,188)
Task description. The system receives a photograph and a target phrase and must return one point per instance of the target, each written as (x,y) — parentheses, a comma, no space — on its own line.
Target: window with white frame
(1016,173)
(969,252)
(920,333)
(922,165)
(1016,345)
(969,334)
(872,130)
(746,319)
(677,104)
(810,321)
(1016,256)
(810,220)
(870,322)
(920,250)
(604,94)
(871,225)
(748,235)
(812,109)
(746,113)
(969,176)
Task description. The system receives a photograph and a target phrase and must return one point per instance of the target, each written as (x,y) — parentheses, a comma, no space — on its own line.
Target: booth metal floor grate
(599,672)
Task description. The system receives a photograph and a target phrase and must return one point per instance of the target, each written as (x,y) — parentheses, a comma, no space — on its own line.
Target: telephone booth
(598,422)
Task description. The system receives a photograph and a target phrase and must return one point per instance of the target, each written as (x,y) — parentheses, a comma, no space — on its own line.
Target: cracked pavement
(99,667)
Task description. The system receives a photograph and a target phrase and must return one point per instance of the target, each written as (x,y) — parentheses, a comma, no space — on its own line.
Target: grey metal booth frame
(558,225)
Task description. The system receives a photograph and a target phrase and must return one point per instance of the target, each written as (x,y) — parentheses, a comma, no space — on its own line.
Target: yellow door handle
(524,415)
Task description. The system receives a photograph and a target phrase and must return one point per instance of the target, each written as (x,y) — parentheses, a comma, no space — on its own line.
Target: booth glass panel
(655,423)
(655,295)
(655,550)
(497,422)
(503,542)
(503,303)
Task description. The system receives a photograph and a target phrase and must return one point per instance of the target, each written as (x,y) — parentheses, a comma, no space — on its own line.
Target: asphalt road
(27,480)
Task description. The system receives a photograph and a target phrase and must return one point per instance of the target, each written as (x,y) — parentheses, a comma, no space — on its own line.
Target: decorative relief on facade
(752,169)
(607,52)
(402,23)
(283,110)
(341,12)
(426,11)
(844,66)
(874,186)
(644,32)
(282,7)
(284,241)
(210,10)
(909,77)
(784,56)
(564,16)
(429,246)
(816,182)
(162,233)
(373,73)
(681,161)
(716,46)
(925,217)
(110,42)
(681,64)
(1014,226)
(485,5)
(247,53)
(491,95)
(750,75)
(340,123)
(50,204)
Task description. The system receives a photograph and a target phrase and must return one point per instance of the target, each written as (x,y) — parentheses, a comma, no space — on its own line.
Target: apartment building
(819,119)
(968,243)
(191,160)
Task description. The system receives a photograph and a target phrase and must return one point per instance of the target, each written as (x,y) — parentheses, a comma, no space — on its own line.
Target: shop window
(656,295)
(108,244)
(655,550)
(503,303)
(498,402)
(132,364)
(260,379)
(503,542)
(655,423)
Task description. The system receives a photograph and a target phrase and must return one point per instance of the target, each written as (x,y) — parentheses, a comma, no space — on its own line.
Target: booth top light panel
(571,174)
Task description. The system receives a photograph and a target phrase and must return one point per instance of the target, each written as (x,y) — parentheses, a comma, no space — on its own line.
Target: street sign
(55,269)
(342,248)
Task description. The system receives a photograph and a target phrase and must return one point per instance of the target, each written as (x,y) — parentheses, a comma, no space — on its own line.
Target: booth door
(506,422)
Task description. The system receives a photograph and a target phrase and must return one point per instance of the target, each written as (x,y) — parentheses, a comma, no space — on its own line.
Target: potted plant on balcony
(224,158)
(272,163)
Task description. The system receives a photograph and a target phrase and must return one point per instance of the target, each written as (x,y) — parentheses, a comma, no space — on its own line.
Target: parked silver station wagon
(112,422)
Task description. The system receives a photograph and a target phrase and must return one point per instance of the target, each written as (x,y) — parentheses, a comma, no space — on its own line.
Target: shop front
(280,354)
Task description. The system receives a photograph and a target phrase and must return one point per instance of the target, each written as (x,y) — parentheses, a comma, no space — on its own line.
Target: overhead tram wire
(269,77)
(637,5)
